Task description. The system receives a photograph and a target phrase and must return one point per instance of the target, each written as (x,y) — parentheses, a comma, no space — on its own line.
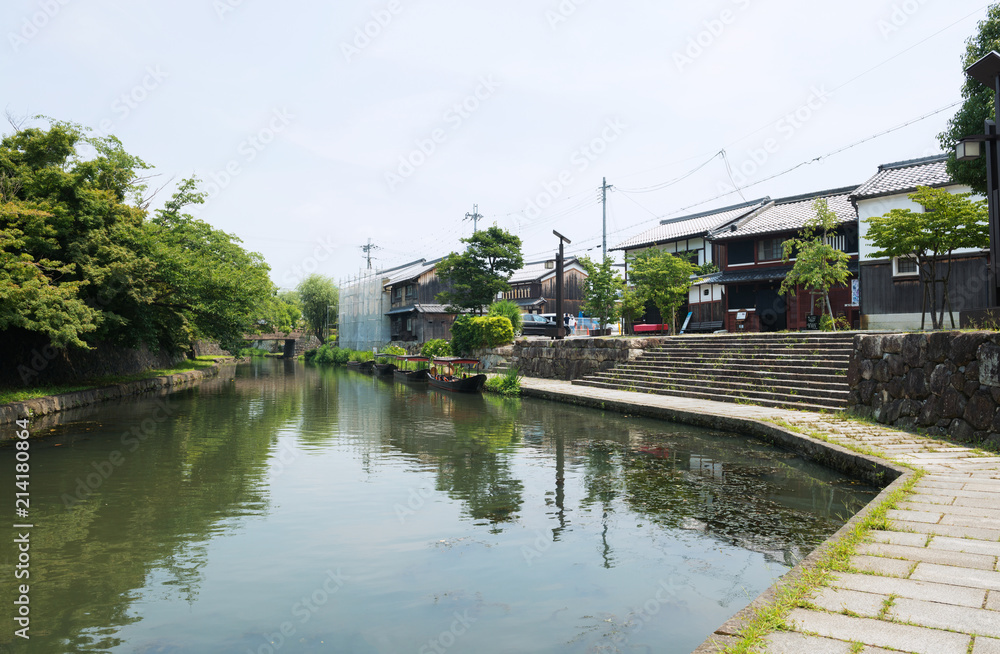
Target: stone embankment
(566,359)
(53,403)
(945,383)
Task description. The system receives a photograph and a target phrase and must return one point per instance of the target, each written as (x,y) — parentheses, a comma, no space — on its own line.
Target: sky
(319,127)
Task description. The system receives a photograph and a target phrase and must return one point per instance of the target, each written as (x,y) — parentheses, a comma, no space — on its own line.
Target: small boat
(384,369)
(411,376)
(361,366)
(443,376)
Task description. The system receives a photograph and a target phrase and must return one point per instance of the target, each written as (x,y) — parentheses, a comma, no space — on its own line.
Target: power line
(367,249)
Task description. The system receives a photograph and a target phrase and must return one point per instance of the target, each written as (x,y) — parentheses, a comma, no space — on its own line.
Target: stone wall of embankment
(944,383)
(566,359)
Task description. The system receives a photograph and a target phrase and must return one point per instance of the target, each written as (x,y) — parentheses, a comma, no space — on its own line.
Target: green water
(282,508)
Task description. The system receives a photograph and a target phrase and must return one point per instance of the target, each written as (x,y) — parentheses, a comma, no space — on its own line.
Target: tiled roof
(764,274)
(536,270)
(419,308)
(689,226)
(408,271)
(788,214)
(905,176)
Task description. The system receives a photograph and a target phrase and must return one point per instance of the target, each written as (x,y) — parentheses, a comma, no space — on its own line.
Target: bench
(705,326)
(651,327)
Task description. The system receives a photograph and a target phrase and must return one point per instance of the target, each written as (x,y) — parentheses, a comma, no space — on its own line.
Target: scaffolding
(363,323)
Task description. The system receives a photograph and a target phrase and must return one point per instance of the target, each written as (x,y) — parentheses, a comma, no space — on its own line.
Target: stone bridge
(295,342)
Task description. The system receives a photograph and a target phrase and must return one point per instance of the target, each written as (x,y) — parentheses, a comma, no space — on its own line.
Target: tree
(602,290)
(480,273)
(633,305)
(977,106)
(818,265)
(950,221)
(320,299)
(663,279)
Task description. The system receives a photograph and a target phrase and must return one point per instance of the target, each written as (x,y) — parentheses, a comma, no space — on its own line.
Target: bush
(510,311)
(508,384)
(497,330)
(466,334)
(437,347)
(252,352)
(360,356)
(826,323)
(390,350)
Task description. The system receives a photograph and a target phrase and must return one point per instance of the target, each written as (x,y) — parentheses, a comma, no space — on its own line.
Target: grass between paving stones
(21,394)
(795,594)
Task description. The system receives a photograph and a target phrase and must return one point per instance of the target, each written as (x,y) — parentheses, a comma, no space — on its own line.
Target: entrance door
(771,310)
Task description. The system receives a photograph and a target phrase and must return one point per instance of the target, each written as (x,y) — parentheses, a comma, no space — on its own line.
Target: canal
(285,508)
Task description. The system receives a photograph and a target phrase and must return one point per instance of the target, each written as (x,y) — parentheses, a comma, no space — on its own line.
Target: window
(769,249)
(740,252)
(707,291)
(904,267)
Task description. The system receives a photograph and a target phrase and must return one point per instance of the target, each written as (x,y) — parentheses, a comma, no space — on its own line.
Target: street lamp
(987,72)
(560,326)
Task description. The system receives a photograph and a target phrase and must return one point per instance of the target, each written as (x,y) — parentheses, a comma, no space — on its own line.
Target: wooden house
(687,237)
(891,293)
(414,313)
(752,270)
(533,287)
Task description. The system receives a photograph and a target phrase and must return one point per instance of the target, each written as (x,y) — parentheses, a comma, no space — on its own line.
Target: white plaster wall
(903,322)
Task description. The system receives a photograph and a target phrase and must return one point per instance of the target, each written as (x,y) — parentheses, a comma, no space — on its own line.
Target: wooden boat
(411,376)
(361,366)
(384,369)
(443,376)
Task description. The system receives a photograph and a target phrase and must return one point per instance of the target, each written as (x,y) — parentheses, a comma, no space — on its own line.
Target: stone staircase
(792,370)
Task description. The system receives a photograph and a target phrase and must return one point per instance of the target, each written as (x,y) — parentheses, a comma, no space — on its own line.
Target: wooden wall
(881,294)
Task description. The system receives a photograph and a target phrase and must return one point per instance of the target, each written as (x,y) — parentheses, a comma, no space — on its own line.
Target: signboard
(741,315)
(686,321)
(812,321)
(855,291)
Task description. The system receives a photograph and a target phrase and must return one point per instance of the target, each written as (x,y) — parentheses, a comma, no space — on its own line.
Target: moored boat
(443,376)
(384,369)
(412,376)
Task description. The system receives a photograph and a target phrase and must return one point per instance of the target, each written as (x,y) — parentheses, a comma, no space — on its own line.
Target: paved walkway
(931,584)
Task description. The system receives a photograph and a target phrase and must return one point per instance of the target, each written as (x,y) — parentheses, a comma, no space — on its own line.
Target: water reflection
(216,477)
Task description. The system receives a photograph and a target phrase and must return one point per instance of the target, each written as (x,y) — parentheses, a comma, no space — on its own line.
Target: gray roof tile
(789,214)
(905,176)
(689,226)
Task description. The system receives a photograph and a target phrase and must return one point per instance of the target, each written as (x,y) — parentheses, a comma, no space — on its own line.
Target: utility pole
(604,218)
(474,217)
(367,249)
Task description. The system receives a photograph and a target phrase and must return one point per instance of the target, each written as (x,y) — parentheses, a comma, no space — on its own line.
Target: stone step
(758,362)
(771,400)
(755,375)
(741,349)
(717,365)
(816,390)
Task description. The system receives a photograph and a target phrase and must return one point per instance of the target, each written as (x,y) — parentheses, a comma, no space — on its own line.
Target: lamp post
(987,72)
(560,326)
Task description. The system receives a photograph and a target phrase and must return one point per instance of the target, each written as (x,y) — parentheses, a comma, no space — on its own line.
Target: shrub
(362,355)
(826,323)
(390,350)
(508,384)
(510,311)
(497,330)
(437,347)
(466,334)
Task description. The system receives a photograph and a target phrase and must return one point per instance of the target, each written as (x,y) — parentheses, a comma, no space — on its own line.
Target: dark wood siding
(881,294)
(572,292)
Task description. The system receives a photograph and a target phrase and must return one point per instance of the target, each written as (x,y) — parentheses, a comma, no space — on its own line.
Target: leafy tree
(633,305)
(818,265)
(320,299)
(602,290)
(480,273)
(663,279)
(950,221)
(977,106)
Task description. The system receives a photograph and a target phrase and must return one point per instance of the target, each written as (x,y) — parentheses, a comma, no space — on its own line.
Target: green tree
(602,290)
(633,305)
(508,310)
(977,106)
(950,221)
(818,265)
(663,279)
(480,273)
(320,299)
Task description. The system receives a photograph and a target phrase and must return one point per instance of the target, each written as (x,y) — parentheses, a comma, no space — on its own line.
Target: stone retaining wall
(566,359)
(944,383)
(45,405)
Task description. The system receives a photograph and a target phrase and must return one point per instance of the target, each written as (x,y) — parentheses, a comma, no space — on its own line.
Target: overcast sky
(318,126)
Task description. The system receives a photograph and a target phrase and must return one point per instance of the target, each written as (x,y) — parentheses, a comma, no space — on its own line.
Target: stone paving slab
(922,590)
(948,530)
(949,574)
(880,565)
(915,516)
(943,557)
(907,638)
(838,600)
(993,601)
(900,538)
(989,548)
(790,642)
(943,616)
(985,645)
(952,509)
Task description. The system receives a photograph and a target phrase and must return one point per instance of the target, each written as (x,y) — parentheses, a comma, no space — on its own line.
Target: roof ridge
(909,163)
(844,190)
(702,214)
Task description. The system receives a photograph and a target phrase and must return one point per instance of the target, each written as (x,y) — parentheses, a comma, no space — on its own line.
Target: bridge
(295,342)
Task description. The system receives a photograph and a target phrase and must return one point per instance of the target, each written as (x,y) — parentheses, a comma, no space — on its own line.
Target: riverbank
(49,404)
(925,580)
